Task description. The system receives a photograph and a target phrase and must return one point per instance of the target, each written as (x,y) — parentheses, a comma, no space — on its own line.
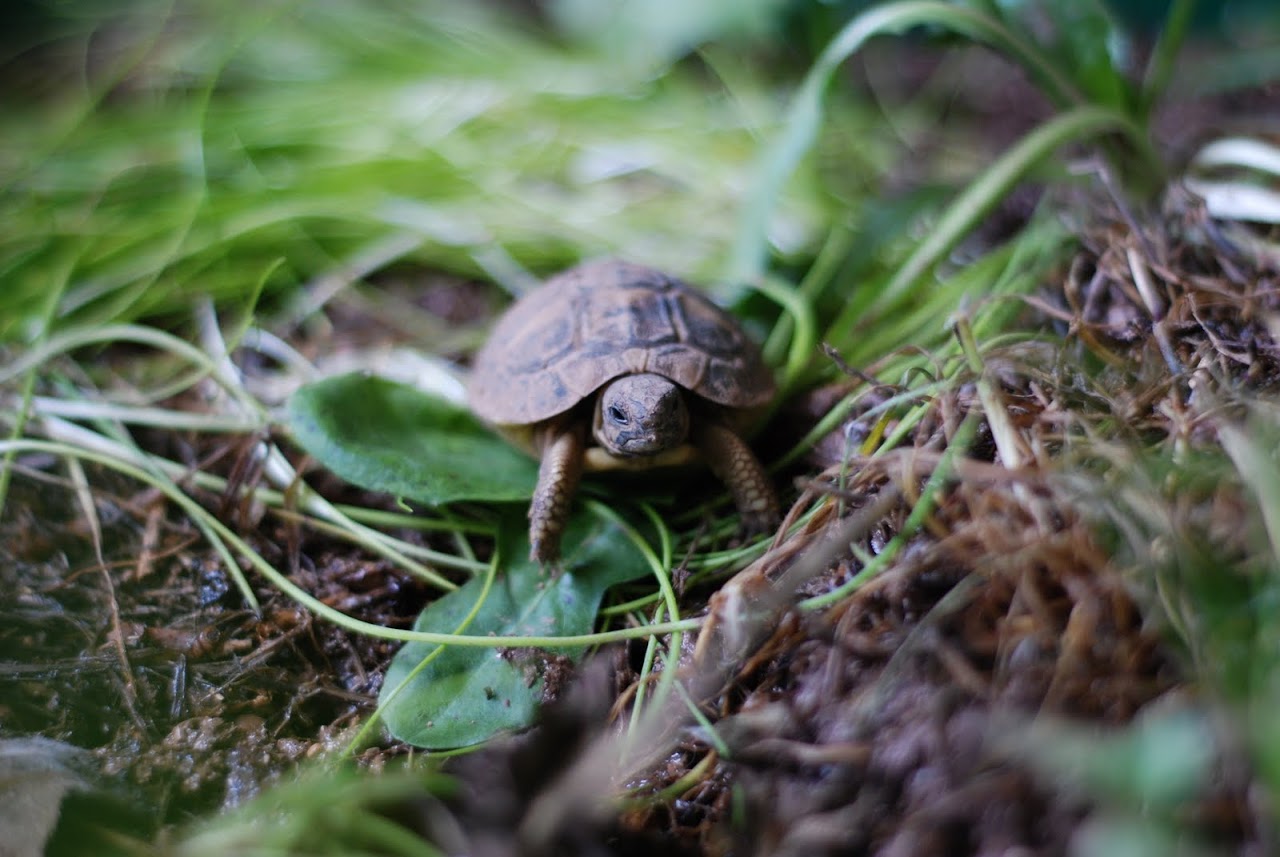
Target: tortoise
(660,374)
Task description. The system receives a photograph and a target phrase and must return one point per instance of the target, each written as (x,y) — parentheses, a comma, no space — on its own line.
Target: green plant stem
(924,507)
(1161,64)
(984,192)
(324,515)
(830,256)
(660,566)
(800,311)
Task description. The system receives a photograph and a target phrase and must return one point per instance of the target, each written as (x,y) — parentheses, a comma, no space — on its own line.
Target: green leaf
(391,437)
(1094,48)
(465,695)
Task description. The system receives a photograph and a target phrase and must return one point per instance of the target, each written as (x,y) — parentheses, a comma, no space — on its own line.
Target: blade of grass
(1255,463)
(782,337)
(985,191)
(805,339)
(804,117)
(1163,58)
(29,373)
(80,437)
(660,564)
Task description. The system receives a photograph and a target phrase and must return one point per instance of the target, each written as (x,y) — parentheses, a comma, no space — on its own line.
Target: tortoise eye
(616,414)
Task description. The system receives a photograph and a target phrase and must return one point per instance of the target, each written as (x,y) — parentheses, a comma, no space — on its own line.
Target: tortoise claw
(546,553)
(760,523)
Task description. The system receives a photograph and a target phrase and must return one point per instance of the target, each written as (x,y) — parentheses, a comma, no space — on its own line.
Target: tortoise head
(640,415)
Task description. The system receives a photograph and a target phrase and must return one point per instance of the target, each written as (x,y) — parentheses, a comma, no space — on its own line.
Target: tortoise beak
(638,443)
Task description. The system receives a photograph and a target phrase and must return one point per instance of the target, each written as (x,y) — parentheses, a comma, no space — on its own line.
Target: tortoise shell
(598,321)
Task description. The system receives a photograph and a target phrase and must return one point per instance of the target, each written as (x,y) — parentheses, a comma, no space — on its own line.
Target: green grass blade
(984,192)
(806,113)
(1162,62)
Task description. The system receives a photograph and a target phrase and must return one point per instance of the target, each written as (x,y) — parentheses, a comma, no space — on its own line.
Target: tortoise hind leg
(558,475)
(733,462)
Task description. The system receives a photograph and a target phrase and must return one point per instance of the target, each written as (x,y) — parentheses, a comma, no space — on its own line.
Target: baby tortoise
(662,376)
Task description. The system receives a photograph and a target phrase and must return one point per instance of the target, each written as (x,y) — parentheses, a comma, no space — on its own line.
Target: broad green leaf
(466,695)
(391,437)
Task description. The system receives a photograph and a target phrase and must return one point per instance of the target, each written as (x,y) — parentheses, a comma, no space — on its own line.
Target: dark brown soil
(188,698)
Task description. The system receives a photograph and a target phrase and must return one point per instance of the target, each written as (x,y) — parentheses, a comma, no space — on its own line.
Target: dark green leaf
(1096,50)
(1084,39)
(390,437)
(466,695)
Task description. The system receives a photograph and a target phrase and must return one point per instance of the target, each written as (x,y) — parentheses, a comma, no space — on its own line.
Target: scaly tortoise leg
(558,474)
(733,462)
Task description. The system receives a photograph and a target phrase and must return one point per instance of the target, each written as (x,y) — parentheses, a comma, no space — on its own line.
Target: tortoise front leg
(558,475)
(733,462)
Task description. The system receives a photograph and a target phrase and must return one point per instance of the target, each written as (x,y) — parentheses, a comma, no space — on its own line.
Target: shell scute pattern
(634,317)
(534,347)
(705,328)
